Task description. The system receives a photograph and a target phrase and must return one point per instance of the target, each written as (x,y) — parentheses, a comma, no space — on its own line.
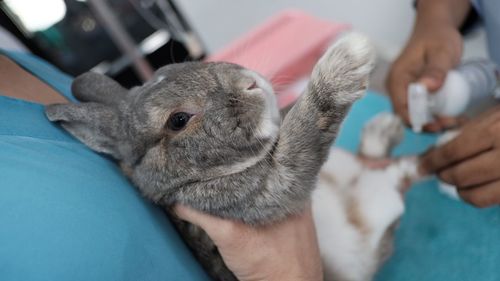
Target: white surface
(9,42)
(454,96)
(387,22)
(29,12)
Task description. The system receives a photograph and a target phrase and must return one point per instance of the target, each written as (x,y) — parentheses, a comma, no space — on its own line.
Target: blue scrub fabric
(67,213)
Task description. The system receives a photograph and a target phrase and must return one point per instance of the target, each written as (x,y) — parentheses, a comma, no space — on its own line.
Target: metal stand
(121,38)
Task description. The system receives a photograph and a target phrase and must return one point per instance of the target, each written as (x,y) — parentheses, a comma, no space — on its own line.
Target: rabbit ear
(94,87)
(94,124)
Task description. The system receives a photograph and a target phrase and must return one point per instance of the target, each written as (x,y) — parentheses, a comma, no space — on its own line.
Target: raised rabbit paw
(345,67)
(380,135)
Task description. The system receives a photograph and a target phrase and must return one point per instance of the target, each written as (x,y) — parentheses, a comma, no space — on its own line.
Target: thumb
(191,215)
(212,225)
(438,63)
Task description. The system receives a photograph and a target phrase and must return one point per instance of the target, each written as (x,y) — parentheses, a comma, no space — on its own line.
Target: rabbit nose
(253,85)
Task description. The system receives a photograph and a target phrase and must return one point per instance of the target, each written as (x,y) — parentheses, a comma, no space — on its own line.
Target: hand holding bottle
(434,48)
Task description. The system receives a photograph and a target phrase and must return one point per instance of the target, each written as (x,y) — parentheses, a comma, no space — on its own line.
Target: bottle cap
(418,106)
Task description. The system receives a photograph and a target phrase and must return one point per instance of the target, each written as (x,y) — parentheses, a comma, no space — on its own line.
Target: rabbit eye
(178,121)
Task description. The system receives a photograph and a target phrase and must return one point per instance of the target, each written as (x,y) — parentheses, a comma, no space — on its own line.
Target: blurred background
(128,39)
(387,22)
(125,39)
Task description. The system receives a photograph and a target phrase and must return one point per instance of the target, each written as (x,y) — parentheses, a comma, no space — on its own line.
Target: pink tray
(284,49)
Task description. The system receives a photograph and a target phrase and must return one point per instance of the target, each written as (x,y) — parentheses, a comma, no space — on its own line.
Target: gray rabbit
(209,135)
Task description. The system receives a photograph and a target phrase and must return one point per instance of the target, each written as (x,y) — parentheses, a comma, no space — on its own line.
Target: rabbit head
(193,121)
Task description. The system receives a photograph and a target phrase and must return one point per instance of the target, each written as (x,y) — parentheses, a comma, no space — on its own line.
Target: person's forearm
(438,12)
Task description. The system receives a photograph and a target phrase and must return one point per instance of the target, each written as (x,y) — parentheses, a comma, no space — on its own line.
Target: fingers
(429,70)
(450,122)
(471,160)
(191,215)
(433,127)
(465,145)
(483,196)
(437,64)
(216,227)
(444,123)
(473,172)
(427,58)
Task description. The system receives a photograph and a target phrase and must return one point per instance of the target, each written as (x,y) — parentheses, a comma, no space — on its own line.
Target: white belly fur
(353,208)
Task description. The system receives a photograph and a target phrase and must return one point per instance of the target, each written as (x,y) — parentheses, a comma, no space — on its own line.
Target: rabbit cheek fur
(233,159)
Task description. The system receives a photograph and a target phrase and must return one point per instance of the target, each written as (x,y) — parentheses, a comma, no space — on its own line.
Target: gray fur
(196,166)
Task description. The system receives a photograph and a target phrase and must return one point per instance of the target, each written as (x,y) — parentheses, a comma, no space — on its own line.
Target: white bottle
(465,86)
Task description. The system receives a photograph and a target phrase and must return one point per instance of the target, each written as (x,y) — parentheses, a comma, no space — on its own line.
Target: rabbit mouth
(270,118)
(269,122)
